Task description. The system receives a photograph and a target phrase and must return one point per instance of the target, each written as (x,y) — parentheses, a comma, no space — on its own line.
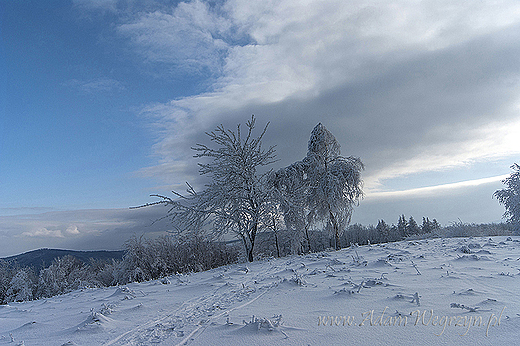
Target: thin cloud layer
(430,191)
(99,85)
(93,229)
(469,202)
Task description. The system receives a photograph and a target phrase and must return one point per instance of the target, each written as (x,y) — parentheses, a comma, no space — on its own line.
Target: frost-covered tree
(273,221)
(138,261)
(383,231)
(510,197)
(425,226)
(429,226)
(290,188)
(65,274)
(412,227)
(7,272)
(20,288)
(401,226)
(237,197)
(324,186)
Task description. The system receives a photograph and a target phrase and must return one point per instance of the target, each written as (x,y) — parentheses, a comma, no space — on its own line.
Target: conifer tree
(412,227)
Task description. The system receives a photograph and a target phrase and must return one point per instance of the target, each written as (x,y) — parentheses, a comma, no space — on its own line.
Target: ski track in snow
(207,308)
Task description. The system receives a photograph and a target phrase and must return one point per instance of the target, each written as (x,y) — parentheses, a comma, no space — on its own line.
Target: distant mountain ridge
(43,258)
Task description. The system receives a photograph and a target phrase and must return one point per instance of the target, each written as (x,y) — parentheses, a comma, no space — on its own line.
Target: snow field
(460,291)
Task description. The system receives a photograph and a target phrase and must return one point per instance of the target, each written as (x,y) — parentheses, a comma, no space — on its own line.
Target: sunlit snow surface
(286,301)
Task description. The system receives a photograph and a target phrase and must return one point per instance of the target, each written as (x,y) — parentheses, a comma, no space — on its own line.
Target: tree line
(149,259)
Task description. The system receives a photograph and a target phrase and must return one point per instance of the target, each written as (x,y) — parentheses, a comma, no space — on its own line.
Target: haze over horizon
(101,101)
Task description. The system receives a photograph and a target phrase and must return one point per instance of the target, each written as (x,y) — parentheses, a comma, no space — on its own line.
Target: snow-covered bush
(148,259)
(460,229)
(145,259)
(137,261)
(21,287)
(65,274)
(104,273)
(7,272)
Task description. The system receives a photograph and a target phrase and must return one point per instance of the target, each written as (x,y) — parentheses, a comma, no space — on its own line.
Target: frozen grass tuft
(264,323)
(463,307)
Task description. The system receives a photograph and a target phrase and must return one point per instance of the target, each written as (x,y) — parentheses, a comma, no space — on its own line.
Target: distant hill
(42,258)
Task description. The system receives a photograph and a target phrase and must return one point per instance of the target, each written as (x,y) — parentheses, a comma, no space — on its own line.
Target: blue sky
(102,100)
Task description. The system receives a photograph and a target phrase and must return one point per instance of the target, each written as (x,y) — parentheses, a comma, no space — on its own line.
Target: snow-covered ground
(468,290)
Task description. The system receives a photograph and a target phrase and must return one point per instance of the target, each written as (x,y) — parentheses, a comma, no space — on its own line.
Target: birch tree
(237,198)
(324,186)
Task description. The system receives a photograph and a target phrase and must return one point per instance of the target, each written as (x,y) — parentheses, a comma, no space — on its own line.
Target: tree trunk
(275,237)
(277,246)
(248,249)
(307,238)
(336,231)
(252,236)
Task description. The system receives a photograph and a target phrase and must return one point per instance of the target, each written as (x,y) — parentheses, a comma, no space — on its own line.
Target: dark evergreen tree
(412,227)
(426,226)
(383,231)
(401,226)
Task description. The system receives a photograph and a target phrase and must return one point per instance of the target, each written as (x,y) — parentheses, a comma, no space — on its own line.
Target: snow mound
(474,246)
(473,257)
(295,280)
(335,262)
(124,292)
(491,303)
(468,292)
(95,322)
(27,326)
(344,292)
(381,262)
(464,249)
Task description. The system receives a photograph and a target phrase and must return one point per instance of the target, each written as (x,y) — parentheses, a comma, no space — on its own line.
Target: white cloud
(444,189)
(192,36)
(72,230)
(44,232)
